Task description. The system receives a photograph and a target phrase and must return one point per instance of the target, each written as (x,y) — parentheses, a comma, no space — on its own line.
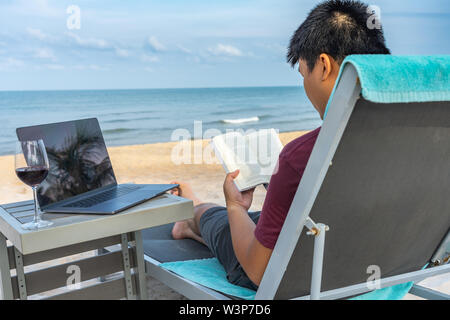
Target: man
(243,241)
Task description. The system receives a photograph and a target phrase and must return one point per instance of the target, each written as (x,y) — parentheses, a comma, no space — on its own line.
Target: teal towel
(396,292)
(397,79)
(211,274)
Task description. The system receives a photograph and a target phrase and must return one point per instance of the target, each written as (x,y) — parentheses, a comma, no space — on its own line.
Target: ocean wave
(133,119)
(232,110)
(241,120)
(132,112)
(117,130)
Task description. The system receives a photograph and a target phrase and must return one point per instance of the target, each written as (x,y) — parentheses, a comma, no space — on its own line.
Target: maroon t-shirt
(282,187)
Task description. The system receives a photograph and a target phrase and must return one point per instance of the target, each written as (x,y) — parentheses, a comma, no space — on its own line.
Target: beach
(149,163)
(152,163)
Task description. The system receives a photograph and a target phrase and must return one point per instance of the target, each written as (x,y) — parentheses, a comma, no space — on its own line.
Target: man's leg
(216,234)
(190,228)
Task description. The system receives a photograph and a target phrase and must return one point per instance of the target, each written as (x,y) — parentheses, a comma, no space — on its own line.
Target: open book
(255,155)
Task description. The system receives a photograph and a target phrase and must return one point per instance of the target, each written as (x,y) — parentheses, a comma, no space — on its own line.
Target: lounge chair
(377,180)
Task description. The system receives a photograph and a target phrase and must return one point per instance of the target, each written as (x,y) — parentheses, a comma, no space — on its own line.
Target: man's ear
(326,65)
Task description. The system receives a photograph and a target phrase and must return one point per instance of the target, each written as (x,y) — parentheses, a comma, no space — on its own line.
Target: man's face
(310,84)
(319,82)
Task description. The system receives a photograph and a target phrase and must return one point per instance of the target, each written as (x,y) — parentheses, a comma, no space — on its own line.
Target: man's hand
(233,197)
(251,254)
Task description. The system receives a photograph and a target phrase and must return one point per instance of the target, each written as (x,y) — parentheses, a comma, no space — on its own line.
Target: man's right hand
(233,197)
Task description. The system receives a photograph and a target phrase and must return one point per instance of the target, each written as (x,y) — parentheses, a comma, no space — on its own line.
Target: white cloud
(225,50)
(44,53)
(95,67)
(154,44)
(89,67)
(35,8)
(2,44)
(37,33)
(149,58)
(92,43)
(184,49)
(10,63)
(194,59)
(123,53)
(55,66)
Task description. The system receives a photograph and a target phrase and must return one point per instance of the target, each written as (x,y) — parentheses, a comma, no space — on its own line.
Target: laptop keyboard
(102,197)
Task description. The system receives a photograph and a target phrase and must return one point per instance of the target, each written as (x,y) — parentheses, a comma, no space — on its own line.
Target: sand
(152,163)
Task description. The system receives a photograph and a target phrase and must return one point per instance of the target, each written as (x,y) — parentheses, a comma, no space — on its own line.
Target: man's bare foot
(185,191)
(183,230)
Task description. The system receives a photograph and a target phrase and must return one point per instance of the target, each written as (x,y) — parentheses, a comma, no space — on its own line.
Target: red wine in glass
(32,176)
(31,163)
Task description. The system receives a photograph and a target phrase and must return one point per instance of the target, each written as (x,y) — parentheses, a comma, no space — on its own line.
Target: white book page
(255,155)
(225,154)
(266,146)
(233,150)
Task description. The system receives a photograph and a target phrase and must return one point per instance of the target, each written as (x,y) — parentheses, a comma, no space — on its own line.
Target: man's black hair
(338,28)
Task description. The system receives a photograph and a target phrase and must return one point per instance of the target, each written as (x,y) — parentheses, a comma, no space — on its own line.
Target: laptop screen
(78,159)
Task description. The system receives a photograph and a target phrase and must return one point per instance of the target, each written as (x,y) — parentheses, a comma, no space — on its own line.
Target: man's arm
(251,254)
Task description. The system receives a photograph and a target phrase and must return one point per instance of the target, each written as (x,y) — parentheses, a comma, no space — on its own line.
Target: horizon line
(162,88)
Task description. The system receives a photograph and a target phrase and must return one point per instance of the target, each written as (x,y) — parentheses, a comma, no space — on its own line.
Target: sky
(180,43)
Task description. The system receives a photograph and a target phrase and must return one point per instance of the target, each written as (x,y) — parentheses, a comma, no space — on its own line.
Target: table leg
(141,279)
(99,253)
(5,272)
(127,266)
(20,275)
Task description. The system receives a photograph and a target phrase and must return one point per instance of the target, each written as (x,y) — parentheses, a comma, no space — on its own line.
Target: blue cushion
(211,274)
(396,292)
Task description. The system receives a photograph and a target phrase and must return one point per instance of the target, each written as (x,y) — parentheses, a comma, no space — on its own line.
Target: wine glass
(32,167)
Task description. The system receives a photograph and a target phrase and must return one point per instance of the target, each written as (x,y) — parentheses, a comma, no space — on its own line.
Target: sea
(130,117)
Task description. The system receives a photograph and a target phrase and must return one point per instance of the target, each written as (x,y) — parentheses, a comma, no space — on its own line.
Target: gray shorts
(215,230)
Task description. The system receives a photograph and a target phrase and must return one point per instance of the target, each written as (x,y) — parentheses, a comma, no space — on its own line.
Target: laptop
(81,177)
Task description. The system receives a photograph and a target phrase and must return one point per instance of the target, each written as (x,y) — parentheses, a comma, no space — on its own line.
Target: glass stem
(37,217)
